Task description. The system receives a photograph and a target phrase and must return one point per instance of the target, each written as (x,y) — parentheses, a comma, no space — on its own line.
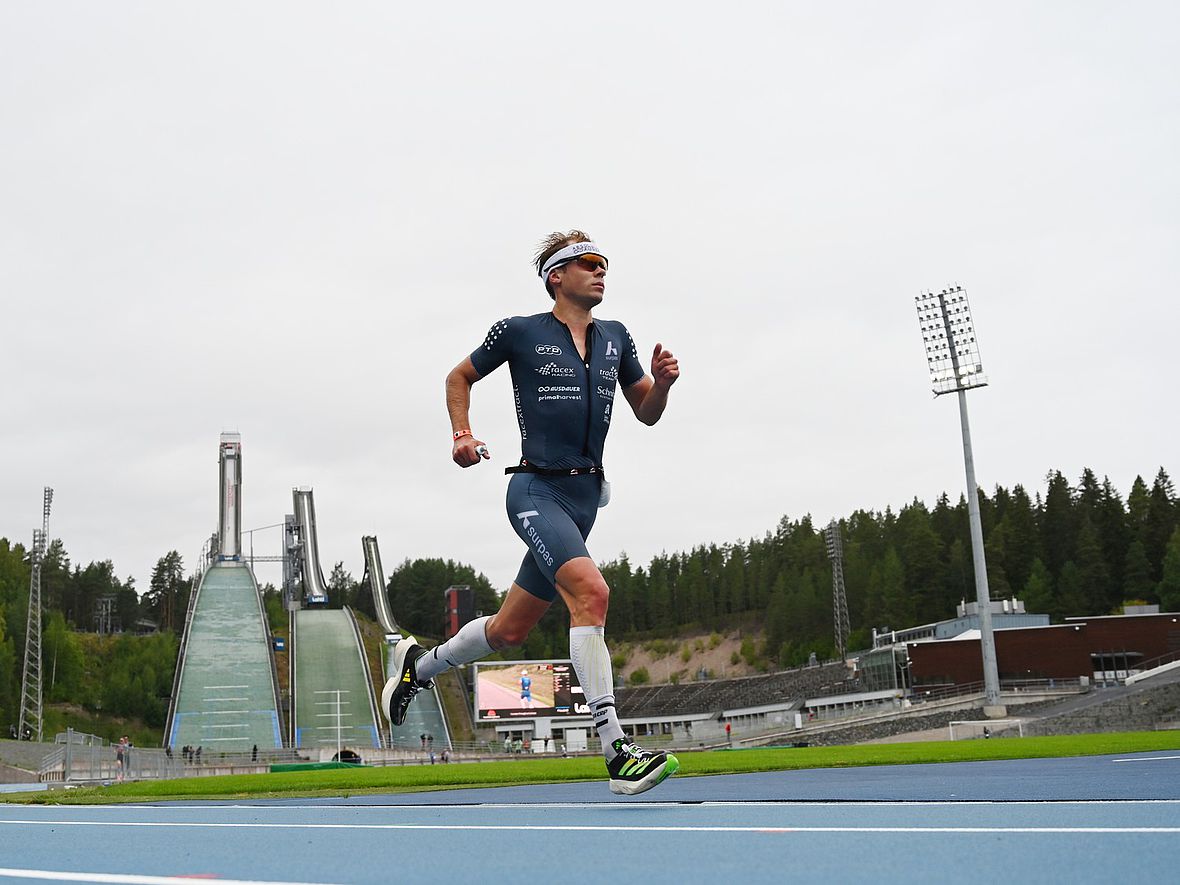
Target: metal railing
(174,698)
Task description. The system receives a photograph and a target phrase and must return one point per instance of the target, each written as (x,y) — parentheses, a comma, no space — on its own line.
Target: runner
(526,689)
(565,366)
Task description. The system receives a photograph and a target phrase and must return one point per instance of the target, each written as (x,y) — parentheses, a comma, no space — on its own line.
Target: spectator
(121,758)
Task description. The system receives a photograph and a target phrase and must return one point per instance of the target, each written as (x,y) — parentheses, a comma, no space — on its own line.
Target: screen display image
(527,690)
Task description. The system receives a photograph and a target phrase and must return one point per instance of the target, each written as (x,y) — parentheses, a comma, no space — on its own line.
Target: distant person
(507,743)
(121,758)
(566,367)
(526,689)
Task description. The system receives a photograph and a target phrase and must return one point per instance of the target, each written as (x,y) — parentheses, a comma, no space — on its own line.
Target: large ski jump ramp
(226,699)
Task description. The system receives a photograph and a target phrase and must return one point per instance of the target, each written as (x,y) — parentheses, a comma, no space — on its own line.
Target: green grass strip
(413,778)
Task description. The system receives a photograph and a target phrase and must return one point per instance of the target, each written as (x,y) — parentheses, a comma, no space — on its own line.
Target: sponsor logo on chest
(553,370)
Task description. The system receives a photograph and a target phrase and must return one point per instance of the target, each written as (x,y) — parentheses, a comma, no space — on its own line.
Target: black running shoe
(403,685)
(635,770)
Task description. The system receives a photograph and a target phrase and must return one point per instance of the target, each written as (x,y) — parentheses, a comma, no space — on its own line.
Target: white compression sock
(469,644)
(591,662)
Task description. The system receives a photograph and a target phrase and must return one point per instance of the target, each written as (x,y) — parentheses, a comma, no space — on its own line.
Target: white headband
(566,255)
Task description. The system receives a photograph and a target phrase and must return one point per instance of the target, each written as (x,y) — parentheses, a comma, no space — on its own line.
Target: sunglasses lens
(592,262)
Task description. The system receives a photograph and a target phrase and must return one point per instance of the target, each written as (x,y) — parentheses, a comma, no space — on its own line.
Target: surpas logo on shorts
(535,538)
(548,350)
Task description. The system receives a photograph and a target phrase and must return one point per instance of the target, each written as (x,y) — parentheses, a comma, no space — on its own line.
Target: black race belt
(525,467)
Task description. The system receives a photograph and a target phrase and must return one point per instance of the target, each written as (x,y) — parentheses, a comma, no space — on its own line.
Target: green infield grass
(413,778)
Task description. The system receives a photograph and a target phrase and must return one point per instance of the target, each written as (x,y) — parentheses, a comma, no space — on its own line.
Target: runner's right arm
(459,383)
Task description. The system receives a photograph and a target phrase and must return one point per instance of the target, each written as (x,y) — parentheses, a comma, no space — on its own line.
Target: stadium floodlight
(835,547)
(952,358)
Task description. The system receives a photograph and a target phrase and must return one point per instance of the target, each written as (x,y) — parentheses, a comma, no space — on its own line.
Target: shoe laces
(633,750)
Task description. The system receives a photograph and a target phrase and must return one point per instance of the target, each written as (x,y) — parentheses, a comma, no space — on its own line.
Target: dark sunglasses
(590,262)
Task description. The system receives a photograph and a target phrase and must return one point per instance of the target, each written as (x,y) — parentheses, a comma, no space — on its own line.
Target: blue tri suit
(563,406)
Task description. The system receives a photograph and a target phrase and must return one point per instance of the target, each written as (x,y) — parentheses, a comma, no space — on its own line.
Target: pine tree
(1038,590)
(1057,523)
(341,587)
(1160,521)
(1113,530)
(896,600)
(1169,586)
(1137,582)
(1018,528)
(1071,598)
(165,589)
(1099,593)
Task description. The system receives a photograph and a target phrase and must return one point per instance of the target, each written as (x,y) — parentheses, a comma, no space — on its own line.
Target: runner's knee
(586,593)
(502,633)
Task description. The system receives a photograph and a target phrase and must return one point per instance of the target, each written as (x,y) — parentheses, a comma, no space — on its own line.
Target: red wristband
(459,434)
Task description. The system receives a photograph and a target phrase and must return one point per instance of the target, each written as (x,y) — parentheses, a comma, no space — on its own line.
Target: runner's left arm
(648,397)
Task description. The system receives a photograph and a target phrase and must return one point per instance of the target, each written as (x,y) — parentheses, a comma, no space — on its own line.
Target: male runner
(526,689)
(564,366)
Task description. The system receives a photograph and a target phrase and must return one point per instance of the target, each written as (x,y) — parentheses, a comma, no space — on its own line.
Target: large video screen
(527,690)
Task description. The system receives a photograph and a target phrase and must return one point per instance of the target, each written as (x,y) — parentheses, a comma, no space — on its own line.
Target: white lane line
(124,878)
(609,806)
(1146,759)
(588,828)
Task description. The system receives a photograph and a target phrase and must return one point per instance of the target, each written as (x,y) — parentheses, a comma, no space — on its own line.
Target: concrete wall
(1155,707)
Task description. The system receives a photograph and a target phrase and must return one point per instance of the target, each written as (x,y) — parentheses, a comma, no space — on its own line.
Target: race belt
(525,467)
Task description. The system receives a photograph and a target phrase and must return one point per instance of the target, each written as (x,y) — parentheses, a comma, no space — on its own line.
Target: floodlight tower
(30,690)
(835,545)
(952,356)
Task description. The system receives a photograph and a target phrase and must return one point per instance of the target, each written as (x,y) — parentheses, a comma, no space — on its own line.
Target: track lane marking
(129,878)
(591,828)
(1146,759)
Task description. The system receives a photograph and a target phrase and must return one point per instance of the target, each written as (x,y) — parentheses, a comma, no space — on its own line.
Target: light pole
(952,357)
(835,546)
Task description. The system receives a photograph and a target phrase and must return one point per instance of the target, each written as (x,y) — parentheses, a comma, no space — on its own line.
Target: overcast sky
(293,219)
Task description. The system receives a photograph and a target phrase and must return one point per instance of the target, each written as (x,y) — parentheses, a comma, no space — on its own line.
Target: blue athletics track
(1093,819)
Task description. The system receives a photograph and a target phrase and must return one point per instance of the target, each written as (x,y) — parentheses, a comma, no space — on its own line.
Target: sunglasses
(590,262)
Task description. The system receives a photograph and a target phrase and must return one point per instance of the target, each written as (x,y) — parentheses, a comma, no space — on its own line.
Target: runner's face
(584,279)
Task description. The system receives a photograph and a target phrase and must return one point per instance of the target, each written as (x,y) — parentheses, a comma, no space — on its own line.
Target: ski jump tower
(229,526)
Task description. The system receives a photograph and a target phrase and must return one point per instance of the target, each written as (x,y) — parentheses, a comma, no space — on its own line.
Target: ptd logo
(548,350)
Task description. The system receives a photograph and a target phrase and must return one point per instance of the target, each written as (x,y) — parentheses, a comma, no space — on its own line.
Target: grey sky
(292,219)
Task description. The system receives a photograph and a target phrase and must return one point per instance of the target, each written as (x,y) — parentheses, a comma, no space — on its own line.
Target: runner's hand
(468,451)
(664,367)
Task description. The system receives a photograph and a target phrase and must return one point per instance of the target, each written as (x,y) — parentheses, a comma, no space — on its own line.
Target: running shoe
(403,685)
(635,770)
